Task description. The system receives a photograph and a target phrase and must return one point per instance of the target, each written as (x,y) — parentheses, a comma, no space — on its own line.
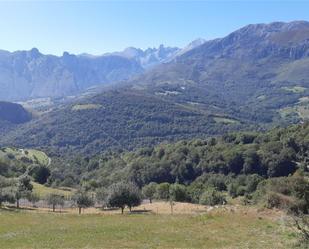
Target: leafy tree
(6,191)
(82,200)
(252,182)
(251,162)
(39,173)
(149,191)
(23,188)
(217,181)
(101,196)
(123,194)
(163,191)
(212,197)
(235,162)
(178,192)
(54,200)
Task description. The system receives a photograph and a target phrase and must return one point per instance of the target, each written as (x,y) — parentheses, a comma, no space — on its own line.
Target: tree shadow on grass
(10,208)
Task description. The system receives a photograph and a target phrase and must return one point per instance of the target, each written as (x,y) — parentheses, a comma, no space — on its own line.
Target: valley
(205,146)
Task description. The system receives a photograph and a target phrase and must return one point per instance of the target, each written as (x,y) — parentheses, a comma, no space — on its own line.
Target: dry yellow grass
(179,208)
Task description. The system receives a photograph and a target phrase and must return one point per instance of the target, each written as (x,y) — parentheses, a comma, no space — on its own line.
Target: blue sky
(97,27)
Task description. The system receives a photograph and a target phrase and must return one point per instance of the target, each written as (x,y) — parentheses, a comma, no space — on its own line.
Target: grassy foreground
(20,229)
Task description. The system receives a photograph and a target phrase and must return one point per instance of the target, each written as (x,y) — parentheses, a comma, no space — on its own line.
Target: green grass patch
(81,107)
(261,97)
(295,89)
(225,120)
(44,191)
(25,155)
(48,230)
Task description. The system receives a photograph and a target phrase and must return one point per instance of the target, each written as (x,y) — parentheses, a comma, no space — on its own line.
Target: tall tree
(54,200)
(149,191)
(124,194)
(83,200)
(23,188)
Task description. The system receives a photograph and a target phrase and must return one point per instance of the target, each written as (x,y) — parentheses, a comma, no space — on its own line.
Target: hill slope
(253,71)
(12,115)
(114,120)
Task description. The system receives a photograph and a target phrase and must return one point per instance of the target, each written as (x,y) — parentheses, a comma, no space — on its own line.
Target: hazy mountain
(30,74)
(149,57)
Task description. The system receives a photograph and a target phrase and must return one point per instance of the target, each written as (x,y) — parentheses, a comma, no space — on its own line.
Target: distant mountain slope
(11,115)
(255,70)
(30,74)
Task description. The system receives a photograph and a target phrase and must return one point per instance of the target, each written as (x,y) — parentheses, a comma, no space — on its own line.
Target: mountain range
(30,74)
(254,78)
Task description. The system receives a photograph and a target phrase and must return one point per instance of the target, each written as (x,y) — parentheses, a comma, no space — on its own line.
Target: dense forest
(117,119)
(278,152)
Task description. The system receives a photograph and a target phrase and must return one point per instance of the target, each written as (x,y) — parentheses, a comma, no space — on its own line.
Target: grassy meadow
(44,191)
(214,229)
(30,154)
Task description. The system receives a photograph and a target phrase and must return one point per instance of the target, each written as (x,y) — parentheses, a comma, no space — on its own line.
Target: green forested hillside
(254,73)
(279,152)
(118,119)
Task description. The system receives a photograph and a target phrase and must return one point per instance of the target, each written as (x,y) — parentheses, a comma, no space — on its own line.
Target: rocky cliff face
(149,57)
(288,40)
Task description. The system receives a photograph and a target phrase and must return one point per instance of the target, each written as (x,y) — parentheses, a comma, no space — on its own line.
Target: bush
(163,191)
(212,197)
(149,191)
(289,193)
(178,192)
(7,191)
